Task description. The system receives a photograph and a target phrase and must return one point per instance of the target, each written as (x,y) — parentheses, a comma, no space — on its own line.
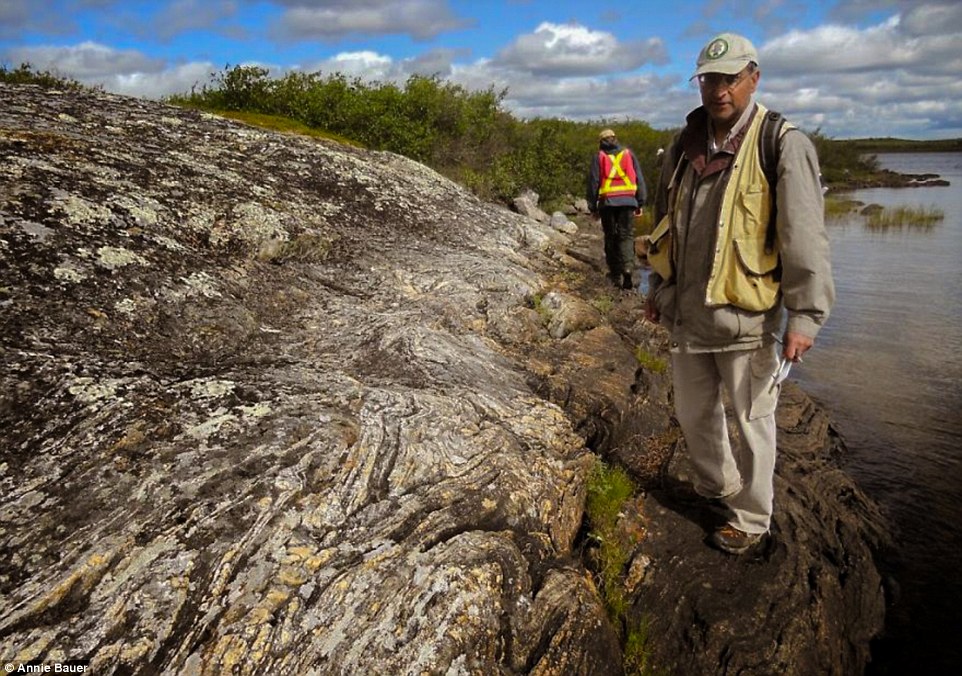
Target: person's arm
(669,160)
(808,291)
(594,182)
(641,193)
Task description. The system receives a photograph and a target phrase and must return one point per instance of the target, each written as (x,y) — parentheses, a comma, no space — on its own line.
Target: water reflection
(889,366)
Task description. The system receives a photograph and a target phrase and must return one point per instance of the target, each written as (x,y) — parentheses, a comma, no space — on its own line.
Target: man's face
(725,97)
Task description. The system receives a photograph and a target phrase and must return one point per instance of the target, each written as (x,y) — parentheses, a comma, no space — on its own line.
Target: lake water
(889,367)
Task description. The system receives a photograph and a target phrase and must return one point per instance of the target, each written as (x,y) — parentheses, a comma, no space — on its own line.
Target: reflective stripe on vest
(619,175)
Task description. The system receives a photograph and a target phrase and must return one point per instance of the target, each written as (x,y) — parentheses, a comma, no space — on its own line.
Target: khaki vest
(744,273)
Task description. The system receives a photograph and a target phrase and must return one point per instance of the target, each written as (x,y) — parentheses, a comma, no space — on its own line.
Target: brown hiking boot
(729,539)
(626,282)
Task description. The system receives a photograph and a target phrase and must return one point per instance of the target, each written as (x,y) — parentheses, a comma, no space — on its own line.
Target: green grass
(913,217)
(609,488)
(883,218)
(603,304)
(537,302)
(650,362)
(609,491)
(839,207)
(277,123)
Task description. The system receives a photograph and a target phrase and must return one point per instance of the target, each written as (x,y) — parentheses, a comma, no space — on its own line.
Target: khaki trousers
(741,474)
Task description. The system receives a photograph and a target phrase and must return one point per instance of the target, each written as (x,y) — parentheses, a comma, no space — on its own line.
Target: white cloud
(86,62)
(572,49)
(370,66)
(895,78)
(336,19)
(120,71)
(177,80)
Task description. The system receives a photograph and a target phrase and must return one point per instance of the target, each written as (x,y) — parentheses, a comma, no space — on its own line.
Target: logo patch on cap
(717,49)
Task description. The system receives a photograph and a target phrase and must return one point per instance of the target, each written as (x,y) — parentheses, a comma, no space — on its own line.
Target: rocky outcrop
(253,416)
(273,404)
(781,607)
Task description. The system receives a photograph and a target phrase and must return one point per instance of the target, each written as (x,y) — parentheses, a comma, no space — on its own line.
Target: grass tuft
(609,491)
(649,361)
(912,217)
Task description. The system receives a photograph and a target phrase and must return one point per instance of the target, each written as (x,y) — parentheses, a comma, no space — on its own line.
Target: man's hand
(651,312)
(795,345)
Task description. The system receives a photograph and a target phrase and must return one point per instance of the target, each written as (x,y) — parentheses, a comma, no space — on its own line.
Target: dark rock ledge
(275,405)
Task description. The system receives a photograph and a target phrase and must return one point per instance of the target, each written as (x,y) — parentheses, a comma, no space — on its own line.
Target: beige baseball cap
(726,53)
(606,133)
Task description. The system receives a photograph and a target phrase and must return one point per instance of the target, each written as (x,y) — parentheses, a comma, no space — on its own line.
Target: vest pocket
(755,260)
(757,207)
(753,285)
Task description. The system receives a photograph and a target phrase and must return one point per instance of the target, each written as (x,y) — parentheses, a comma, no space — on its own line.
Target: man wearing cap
(742,280)
(616,191)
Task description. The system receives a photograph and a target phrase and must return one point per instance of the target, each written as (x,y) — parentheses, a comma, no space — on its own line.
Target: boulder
(561,223)
(526,204)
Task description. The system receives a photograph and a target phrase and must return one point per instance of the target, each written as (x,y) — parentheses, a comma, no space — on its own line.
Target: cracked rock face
(254,415)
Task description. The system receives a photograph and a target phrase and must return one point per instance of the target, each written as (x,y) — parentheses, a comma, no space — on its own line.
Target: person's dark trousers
(619,228)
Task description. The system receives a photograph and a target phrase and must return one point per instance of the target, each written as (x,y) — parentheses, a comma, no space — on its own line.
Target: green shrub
(25,74)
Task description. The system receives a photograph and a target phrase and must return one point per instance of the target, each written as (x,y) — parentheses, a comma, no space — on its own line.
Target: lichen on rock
(220,454)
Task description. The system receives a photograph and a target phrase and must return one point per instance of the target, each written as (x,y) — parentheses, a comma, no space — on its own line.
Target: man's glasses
(712,81)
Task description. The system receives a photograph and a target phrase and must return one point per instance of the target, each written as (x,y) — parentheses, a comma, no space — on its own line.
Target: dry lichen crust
(251,417)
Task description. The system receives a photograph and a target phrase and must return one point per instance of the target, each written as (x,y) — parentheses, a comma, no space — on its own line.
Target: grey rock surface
(270,404)
(252,416)
(526,204)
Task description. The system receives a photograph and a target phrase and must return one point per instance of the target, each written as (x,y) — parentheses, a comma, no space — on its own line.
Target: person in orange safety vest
(616,192)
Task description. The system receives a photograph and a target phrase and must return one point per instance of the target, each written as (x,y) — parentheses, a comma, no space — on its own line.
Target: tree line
(465,135)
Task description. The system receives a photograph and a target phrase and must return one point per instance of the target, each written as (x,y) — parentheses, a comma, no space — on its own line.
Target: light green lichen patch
(258,410)
(250,222)
(144,211)
(68,273)
(203,431)
(211,389)
(112,257)
(90,390)
(198,284)
(81,211)
(127,306)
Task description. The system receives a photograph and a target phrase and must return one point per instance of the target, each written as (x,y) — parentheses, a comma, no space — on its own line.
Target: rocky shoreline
(886,178)
(274,404)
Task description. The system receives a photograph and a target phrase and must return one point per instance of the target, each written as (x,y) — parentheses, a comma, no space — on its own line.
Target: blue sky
(854,68)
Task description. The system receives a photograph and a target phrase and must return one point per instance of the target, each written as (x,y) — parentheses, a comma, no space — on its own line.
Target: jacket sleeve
(593,183)
(808,291)
(641,194)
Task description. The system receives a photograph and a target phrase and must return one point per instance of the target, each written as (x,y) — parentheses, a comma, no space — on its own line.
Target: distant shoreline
(886,178)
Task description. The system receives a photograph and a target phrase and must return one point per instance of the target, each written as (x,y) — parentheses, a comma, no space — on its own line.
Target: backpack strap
(774,126)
